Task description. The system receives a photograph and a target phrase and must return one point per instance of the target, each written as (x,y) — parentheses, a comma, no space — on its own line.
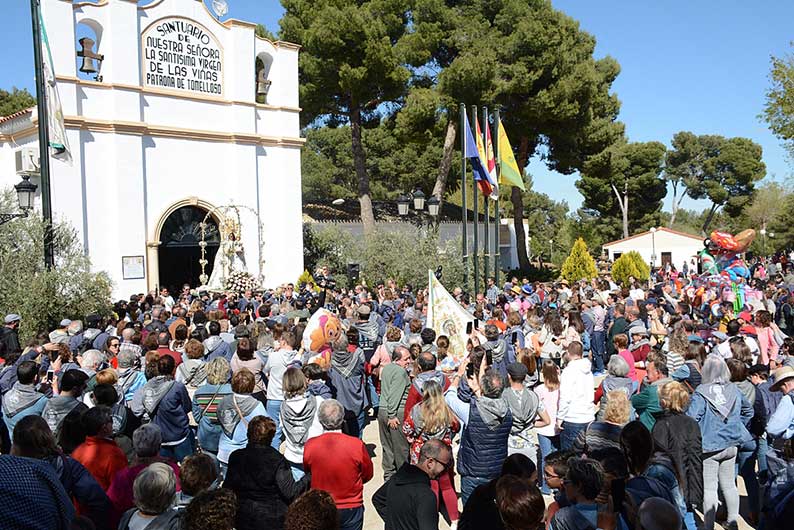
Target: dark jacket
(262,479)
(171,414)
(406,501)
(678,436)
(10,337)
(480,510)
(84,488)
(482,449)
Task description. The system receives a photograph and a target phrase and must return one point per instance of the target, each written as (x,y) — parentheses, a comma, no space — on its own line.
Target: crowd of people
(573,406)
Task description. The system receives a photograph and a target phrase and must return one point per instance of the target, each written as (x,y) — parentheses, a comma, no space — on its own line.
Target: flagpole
(463,195)
(476,252)
(487,201)
(497,221)
(44,140)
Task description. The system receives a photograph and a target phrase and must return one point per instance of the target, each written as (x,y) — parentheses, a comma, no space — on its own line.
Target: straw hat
(781,374)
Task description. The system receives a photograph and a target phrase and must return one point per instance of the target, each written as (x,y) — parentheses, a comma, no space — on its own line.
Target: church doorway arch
(179,252)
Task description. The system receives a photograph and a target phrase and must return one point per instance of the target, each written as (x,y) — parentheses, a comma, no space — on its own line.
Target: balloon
(724,240)
(322,329)
(744,239)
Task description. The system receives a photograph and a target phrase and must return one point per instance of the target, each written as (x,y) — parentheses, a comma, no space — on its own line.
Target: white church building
(659,247)
(183,116)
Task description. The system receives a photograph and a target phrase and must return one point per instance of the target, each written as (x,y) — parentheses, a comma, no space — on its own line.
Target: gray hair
(715,371)
(218,371)
(492,384)
(92,359)
(146,440)
(618,366)
(433,448)
(331,415)
(127,333)
(127,358)
(75,327)
(154,489)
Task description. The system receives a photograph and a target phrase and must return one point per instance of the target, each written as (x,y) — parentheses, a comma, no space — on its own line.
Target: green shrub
(630,265)
(579,265)
(41,297)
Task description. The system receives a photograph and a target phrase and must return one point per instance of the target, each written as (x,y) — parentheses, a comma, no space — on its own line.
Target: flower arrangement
(240,281)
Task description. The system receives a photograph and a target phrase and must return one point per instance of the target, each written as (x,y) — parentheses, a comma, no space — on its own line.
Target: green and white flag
(59,143)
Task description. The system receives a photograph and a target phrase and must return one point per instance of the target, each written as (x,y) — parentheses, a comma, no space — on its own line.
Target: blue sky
(698,66)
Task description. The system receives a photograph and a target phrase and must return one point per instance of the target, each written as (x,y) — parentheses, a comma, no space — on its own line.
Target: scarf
(640,344)
(492,411)
(194,372)
(346,362)
(154,391)
(523,406)
(296,423)
(721,400)
(56,410)
(127,378)
(368,329)
(19,398)
(227,412)
(424,377)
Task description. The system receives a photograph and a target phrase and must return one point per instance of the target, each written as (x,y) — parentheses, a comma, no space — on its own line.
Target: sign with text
(180,54)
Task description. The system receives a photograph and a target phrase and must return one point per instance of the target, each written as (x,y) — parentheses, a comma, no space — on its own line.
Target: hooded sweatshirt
(56,410)
(347,378)
(277,363)
(192,372)
(524,406)
(216,347)
(299,422)
(576,392)
(20,401)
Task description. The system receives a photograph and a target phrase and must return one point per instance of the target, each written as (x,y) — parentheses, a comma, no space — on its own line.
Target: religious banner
(59,143)
(180,54)
(446,316)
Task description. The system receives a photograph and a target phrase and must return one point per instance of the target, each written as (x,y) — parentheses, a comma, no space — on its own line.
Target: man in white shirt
(732,329)
(576,396)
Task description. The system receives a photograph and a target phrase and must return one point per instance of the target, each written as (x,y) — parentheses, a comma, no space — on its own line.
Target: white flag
(446,316)
(59,144)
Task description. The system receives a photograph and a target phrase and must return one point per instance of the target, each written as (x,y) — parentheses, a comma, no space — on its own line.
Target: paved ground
(373,522)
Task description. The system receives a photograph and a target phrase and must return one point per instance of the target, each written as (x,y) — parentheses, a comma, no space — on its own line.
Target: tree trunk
(518,207)
(360,164)
(446,162)
(709,218)
(623,202)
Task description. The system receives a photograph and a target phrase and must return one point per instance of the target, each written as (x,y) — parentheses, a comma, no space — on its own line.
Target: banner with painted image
(447,317)
(59,143)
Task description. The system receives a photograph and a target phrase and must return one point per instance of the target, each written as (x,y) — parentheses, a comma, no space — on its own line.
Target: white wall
(681,248)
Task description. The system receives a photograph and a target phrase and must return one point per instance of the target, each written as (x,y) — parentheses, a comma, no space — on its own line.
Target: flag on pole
(59,144)
(478,166)
(510,174)
(491,162)
(447,317)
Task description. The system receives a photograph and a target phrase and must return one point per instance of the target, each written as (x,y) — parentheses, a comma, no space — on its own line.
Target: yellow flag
(510,174)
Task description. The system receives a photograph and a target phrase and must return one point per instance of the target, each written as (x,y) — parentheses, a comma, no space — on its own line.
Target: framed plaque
(133,267)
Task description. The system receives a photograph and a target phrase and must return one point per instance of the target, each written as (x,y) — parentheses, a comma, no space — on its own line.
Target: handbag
(198,421)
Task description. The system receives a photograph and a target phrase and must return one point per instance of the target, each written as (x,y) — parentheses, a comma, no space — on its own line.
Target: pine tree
(579,265)
(630,265)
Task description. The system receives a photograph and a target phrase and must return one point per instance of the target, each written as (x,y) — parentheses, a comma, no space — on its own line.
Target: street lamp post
(418,199)
(25,191)
(653,247)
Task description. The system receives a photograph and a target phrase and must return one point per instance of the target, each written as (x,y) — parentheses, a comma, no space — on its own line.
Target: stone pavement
(372,520)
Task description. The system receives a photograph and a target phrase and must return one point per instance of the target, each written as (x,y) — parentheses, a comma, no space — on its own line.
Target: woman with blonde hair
(605,434)
(433,419)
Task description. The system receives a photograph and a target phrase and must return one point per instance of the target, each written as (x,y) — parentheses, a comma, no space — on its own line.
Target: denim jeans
(598,344)
(719,470)
(274,411)
(570,431)
(351,518)
(467,486)
(745,466)
(374,398)
(548,444)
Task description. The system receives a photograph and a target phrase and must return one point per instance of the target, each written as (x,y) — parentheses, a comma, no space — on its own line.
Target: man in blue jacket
(167,404)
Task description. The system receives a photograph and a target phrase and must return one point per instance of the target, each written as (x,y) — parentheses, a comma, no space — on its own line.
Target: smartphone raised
(469,328)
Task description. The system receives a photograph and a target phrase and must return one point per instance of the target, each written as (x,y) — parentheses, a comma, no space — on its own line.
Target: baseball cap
(65,322)
(13,317)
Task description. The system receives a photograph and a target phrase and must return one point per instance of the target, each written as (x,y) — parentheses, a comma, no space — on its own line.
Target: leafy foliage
(40,296)
(15,100)
(579,265)
(779,107)
(406,257)
(630,265)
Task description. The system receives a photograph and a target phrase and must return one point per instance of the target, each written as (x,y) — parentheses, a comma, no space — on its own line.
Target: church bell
(88,65)
(262,83)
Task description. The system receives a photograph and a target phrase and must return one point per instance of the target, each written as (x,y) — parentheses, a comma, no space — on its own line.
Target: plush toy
(322,329)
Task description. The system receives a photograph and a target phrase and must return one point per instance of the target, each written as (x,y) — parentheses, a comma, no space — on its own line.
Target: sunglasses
(445,464)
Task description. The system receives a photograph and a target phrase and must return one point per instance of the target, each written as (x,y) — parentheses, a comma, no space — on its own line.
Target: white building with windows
(183,115)
(660,247)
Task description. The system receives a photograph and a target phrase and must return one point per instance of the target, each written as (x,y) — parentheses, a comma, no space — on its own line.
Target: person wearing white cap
(9,333)
(61,334)
(781,423)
